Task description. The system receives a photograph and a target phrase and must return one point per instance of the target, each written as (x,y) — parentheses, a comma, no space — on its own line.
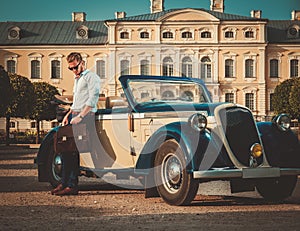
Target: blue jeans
(70,169)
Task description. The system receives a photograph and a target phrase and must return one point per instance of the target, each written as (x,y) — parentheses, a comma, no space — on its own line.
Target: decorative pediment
(188,15)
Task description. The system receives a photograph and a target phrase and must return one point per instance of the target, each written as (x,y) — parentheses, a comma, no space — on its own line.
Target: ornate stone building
(241,58)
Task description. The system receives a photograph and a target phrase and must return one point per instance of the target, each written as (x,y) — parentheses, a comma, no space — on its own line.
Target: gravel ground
(26,204)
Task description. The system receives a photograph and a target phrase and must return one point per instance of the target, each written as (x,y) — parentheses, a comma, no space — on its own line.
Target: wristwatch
(80,116)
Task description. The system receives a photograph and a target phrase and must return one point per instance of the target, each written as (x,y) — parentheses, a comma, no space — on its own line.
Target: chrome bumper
(245,173)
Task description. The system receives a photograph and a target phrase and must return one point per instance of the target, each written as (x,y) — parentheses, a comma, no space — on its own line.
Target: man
(85,97)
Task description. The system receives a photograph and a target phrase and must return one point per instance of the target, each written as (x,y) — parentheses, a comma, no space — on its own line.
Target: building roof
(53,33)
(64,32)
(277,31)
(155,16)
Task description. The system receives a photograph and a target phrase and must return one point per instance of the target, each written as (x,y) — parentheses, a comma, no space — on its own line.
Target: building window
(205,34)
(294,71)
(33,124)
(100,68)
(168,35)
(187,67)
(271,102)
(168,66)
(249,101)
(168,95)
(144,35)
(11,66)
(205,68)
(35,69)
(12,124)
(124,67)
(186,34)
(55,69)
(54,124)
(229,34)
(145,67)
(274,68)
(249,68)
(229,97)
(228,68)
(124,35)
(249,34)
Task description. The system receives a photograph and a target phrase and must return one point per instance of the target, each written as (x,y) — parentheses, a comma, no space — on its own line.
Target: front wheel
(276,189)
(174,184)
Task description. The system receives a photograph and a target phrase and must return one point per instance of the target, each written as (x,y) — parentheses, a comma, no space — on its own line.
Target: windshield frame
(127,80)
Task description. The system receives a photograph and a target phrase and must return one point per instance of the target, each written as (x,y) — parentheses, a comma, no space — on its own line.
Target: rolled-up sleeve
(93,81)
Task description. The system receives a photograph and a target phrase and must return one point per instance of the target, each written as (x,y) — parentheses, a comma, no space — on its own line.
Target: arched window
(145,67)
(205,34)
(274,68)
(100,68)
(205,68)
(144,35)
(124,67)
(249,34)
(228,68)
(55,69)
(124,35)
(187,96)
(11,66)
(186,34)
(249,68)
(168,66)
(168,95)
(35,69)
(187,67)
(249,101)
(294,68)
(168,35)
(229,34)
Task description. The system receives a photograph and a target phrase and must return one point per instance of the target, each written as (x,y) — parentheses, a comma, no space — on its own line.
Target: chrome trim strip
(246,173)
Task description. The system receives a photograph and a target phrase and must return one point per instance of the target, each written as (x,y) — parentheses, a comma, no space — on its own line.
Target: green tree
(295,99)
(5,91)
(21,102)
(281,97)
(43,109)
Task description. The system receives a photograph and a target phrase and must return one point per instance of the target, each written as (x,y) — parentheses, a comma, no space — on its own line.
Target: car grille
(240,131)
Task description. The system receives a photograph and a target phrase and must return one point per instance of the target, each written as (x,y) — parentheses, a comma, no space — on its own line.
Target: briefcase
(71,138)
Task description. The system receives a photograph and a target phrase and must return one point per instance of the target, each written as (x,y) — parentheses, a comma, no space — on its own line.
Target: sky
(61,10)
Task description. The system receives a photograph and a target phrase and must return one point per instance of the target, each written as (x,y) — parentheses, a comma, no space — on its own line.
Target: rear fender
(43,153)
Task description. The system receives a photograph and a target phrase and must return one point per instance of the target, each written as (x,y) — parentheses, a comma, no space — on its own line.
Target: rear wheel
(276,189)
(54,167)
(174,184)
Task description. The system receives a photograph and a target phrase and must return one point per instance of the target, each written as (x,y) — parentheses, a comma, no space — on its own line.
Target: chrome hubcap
(172,173)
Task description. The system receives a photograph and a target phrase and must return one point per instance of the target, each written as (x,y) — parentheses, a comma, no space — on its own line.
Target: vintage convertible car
(166,132)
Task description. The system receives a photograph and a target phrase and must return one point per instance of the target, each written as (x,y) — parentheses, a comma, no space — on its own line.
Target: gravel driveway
(27,204)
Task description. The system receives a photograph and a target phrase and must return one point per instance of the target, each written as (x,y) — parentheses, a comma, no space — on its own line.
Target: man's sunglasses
(74,68)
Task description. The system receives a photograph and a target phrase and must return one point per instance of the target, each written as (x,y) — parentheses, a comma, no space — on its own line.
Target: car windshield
(146,91)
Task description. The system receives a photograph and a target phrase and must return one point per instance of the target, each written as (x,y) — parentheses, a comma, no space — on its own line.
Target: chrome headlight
(198,122)
(283,122)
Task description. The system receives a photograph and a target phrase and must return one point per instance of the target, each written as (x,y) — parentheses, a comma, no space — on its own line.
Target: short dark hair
(74,56)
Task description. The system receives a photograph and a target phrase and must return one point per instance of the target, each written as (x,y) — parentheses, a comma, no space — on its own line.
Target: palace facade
(241,58)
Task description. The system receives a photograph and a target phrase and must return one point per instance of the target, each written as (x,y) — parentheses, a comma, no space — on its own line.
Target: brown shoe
(67,191)
(57,189)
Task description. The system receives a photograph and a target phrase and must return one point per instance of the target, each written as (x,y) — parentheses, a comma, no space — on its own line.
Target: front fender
(282,148)
(193,144)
